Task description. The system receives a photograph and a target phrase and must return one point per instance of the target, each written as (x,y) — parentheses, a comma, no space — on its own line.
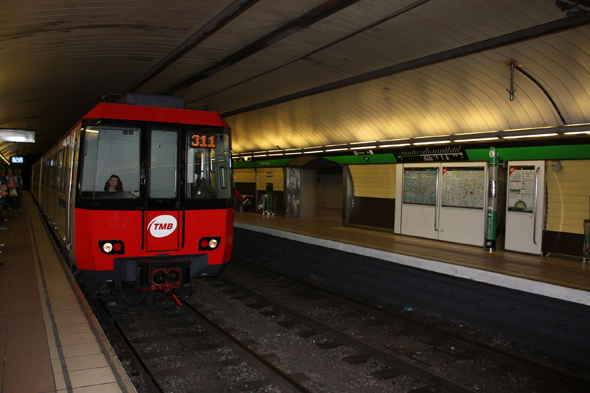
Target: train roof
(155,114)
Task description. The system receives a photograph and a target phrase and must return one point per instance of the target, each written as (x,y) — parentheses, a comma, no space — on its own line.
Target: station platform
(50,340)
(559,278)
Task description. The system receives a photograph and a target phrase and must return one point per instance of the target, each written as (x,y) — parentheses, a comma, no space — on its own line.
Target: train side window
(53,171)
(111,151)
(60,167)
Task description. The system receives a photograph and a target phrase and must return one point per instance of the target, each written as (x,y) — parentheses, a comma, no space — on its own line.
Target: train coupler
(163,275)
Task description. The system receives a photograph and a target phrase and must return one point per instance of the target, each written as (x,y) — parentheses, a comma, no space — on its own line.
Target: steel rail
(285,382)
(389,358)
(491,353)
(107,319)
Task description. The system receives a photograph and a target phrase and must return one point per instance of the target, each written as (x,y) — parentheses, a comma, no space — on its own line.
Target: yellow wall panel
(573,214)
(373,181)
(568,195)
(245,175)
(276,178)
(567,200)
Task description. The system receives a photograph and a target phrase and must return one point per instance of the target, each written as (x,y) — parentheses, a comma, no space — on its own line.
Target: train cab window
(163,163)
(208,165)
(111,151)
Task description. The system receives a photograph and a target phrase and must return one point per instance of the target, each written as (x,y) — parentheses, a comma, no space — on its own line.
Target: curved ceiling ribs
(301,74)
(451,54)
(319,13)
(305,20)
(213,26)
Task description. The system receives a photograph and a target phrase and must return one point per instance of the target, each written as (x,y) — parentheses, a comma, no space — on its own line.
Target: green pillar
(492,213)
(270,206)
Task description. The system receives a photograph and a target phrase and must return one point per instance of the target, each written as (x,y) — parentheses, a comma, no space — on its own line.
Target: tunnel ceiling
(300,73)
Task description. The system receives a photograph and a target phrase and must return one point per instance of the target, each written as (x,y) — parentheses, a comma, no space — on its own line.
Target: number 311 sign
(202,140)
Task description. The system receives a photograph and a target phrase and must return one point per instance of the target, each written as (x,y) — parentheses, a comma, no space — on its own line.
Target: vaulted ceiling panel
(413,68)
(259,20)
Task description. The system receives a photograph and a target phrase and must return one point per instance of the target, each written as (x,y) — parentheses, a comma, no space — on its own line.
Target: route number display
(198,140)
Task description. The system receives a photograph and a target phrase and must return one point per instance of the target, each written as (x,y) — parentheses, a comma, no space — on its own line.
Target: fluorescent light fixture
(432,137)
(431,143)
(482,133)
(397,145)
(13,135)
(363,147)
(260,155)
(529,136)
(331,150)
(576,132)
(313,152)
(293,154)
(276,154)
(477,139)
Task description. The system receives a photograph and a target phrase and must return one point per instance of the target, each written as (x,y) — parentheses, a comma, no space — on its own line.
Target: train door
(162,200)
(525,206)
(444,201)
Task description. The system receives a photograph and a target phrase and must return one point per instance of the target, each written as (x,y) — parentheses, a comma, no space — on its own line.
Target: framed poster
(420,186)
(463,187)
(521,188)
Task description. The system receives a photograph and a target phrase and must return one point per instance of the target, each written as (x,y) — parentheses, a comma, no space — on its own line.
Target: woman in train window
(114,184)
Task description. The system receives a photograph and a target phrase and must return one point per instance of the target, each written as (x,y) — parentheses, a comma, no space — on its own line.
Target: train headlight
(107,247)
(209,243)
(112,247)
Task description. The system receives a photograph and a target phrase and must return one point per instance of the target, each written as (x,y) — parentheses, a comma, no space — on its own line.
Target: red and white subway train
(141,196)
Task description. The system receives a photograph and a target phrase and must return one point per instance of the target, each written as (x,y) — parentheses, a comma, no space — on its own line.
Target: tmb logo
(162,226)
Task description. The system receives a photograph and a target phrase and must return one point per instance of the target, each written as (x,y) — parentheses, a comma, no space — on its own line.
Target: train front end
(154,198)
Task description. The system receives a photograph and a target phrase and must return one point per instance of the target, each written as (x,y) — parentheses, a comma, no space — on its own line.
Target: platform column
(492,214)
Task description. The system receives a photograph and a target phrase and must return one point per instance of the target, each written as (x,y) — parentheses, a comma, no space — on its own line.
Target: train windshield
(208,166)
(111,162)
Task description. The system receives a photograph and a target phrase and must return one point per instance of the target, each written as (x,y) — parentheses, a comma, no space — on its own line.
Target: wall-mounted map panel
(420,186)
(463,187)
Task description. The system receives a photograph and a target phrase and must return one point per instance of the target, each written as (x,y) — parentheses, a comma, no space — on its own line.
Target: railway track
(255,331)
(435,360)
(168,348)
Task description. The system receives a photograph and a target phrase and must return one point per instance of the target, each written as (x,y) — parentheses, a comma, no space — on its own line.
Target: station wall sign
(431,154)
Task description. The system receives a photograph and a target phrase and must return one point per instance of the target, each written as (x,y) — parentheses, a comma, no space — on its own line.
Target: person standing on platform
(238,200)
(3,195)
(12,183)
(19,188)
(3,181)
